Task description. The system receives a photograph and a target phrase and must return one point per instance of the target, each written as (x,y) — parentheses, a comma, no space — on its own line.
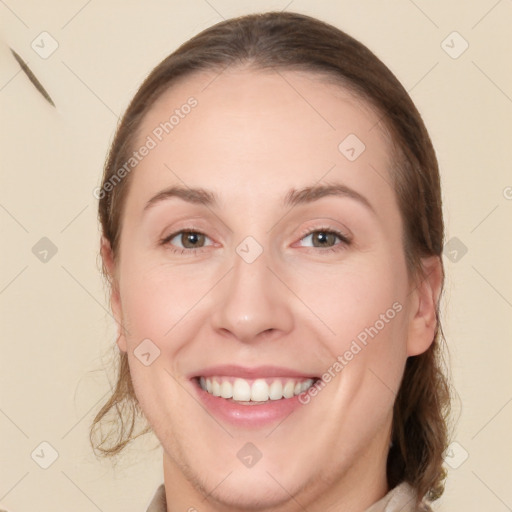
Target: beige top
(399,499)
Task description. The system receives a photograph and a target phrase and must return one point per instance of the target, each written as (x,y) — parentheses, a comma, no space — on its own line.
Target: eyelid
(325,224)
(344,240)
(185,229)
(325,229)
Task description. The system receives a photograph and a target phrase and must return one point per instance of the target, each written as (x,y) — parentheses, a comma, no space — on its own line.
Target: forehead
(260,131)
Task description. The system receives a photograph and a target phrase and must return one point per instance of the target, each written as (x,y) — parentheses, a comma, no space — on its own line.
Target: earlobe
(115,298)
(423,324)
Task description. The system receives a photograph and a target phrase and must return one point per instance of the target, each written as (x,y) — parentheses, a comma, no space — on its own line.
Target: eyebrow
(293,198)
(191,195)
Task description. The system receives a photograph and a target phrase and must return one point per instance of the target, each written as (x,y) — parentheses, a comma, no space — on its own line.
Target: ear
(115,298)
(425,299)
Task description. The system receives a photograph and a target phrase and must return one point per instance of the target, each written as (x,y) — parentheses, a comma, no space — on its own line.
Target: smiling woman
(264,238)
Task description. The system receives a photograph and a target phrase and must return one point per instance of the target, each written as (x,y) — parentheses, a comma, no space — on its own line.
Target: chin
(256,488)
(247,493)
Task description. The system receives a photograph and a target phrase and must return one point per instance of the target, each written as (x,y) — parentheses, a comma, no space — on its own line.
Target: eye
(186,241)
(191,241)
(324,238)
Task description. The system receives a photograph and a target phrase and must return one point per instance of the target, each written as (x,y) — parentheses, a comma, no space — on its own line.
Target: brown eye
(323,238)
(192,239)
(186,241)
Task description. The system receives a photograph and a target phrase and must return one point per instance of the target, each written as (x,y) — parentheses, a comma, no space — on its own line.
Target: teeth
(275,391)
(288,389)
(226,390)
(259,390)
(215,388)
(305,386)
(241,390)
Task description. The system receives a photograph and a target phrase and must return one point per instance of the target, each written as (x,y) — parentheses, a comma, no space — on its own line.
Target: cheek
(363,303)
(355,297)
(155,299)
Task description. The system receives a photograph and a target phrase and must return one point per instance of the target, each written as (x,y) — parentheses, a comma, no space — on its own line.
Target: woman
(272,235)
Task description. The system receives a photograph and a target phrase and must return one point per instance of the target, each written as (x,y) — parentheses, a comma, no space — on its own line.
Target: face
(263,290)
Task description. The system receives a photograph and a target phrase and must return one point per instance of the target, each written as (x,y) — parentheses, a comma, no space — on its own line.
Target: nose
(251,303)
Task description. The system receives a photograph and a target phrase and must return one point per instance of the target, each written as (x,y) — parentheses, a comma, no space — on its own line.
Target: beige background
(56,331)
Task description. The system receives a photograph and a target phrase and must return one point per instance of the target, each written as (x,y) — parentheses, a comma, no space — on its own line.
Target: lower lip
(248,415)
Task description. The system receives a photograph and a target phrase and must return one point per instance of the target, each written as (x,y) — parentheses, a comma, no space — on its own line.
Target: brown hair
(283,40)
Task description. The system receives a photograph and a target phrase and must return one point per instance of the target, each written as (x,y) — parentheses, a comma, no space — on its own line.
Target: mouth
(251,398)
(254,391)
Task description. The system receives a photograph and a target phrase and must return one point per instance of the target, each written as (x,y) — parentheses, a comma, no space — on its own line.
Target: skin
(252,137)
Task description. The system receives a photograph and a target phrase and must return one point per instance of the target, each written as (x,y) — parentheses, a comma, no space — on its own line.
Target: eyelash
(345,240)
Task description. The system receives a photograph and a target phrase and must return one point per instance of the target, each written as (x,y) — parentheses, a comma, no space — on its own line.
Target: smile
(253,397)
(252,391)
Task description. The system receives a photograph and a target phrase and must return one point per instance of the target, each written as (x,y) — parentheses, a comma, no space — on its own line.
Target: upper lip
(255,372)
